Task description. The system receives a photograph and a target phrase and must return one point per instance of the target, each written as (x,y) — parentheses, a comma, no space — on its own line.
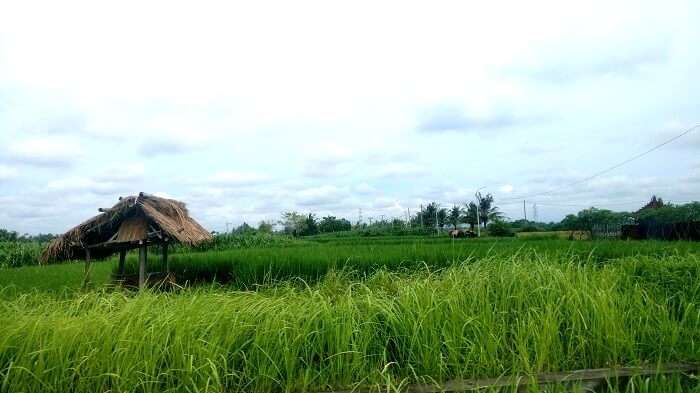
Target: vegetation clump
(496,316)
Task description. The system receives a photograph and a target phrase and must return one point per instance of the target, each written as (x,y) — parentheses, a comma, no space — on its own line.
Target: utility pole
(408,217)
(524,211)
(359,217)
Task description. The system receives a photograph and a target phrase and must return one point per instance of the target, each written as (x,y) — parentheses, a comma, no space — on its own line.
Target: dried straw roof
(104,234)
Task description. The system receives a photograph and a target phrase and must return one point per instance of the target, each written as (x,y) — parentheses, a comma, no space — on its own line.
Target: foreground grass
(493,316)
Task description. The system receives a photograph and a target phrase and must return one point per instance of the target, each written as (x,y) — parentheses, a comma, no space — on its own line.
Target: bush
(500,229)
(530,228)
(16,253)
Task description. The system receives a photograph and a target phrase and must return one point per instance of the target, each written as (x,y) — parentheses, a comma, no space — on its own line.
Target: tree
(469,216)
(292,222)
(8,236)
(429,214)
(265,226)
(487,210)
(310,226)
(654,203)
(333,224)
(441,217)
(500,228)
(455,216)
(243,229)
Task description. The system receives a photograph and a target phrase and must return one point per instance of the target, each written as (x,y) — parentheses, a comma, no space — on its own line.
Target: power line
(593,176)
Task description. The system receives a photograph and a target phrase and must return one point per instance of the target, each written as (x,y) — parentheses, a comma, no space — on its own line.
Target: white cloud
(506,188)
(245,133)
(400,169)
(235,179)
(320,196)
(7,172)
(46,151)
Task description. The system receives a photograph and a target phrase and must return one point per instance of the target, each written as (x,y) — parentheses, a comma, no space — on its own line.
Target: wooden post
(86,279)
(122,259)
(143,255)
(166,263)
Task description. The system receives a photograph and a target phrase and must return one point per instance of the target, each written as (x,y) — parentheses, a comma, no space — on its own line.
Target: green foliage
(530,228)
(249,267)
(12,236)
(441,217)
(333,224)
(488,211)
(669,213)
(429,214)
(265,227)
(500,228)
(236,240)
(470,215)
(587,218)
(500,315)
(310,226)
(19,253)
(293,223)
(454,218)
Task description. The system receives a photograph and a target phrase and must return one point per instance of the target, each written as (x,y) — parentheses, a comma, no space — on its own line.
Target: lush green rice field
(333,315)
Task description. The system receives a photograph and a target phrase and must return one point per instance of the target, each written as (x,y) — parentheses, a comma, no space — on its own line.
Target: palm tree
(455,216)
(487,210)
(429,214)
(441,217)
(469,216)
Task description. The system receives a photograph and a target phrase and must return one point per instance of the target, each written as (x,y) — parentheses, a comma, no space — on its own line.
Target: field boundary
(587,376)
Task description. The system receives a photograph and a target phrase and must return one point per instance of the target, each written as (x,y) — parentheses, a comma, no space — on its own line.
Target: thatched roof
(132,219)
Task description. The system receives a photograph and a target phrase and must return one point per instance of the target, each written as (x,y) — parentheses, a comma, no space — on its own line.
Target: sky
(247,109)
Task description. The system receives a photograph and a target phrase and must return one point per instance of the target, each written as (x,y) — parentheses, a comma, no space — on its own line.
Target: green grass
(337,314)
(495,316)
(52,278)
(248,267)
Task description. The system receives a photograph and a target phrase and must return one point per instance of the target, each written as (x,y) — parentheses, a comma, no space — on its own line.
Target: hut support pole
(86,279)
(142,264)
(166,263)
(122,259)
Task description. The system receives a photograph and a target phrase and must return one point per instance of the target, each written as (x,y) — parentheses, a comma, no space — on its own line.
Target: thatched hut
(134,222)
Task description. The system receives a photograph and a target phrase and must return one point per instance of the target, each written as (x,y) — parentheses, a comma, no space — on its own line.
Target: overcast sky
(246,109)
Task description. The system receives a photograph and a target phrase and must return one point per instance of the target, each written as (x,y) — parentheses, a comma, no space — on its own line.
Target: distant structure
(134,222)
(654,203)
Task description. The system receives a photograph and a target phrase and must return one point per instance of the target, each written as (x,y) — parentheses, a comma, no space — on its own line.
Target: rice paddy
(382,313)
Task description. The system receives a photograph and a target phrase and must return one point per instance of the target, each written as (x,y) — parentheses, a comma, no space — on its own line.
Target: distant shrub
(530,228)
(548,235)
(228,241)
(500,229)
(19,253)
